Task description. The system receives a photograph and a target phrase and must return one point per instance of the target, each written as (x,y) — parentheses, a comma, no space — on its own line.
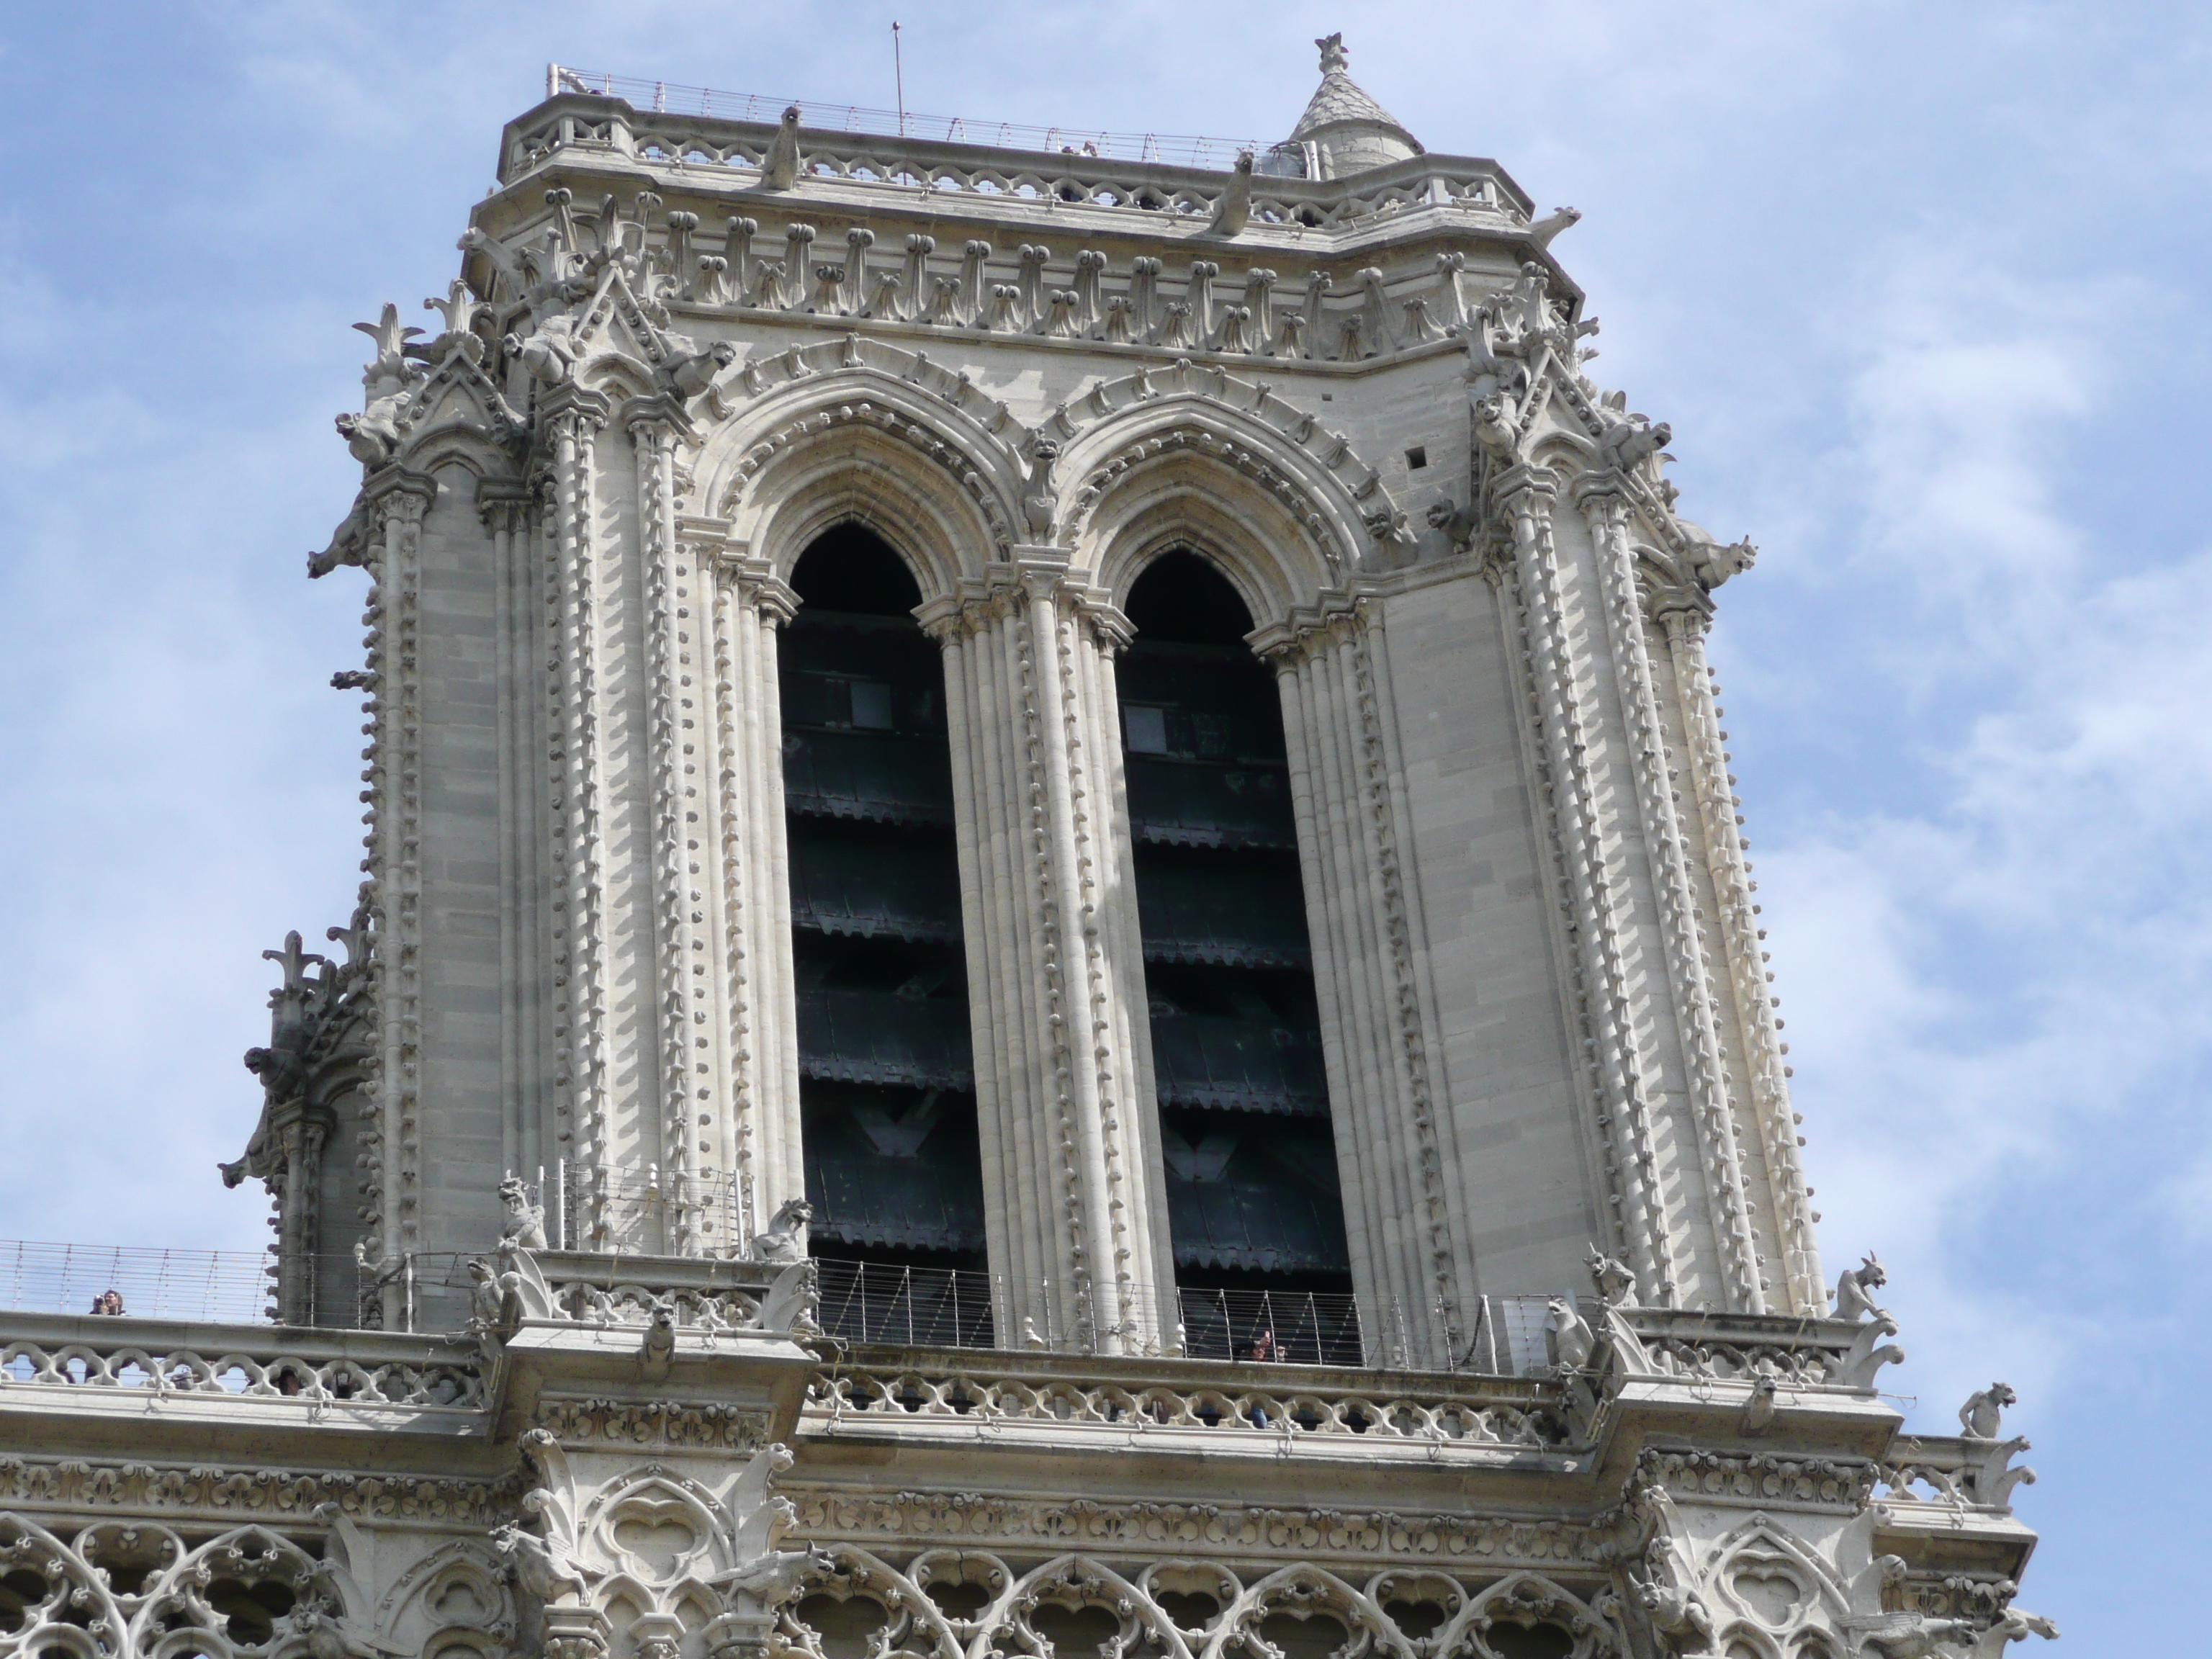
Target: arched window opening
(1252,1200)
(887,1084)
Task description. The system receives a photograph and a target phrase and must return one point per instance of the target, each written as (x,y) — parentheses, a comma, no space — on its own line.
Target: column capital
(504,503)
(1683,603)
(754,582)
(394,492)
(660,415)
(571,404)
(1598,495)
(1539,482)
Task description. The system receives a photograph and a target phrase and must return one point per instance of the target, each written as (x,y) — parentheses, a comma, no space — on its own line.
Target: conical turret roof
(1352,131)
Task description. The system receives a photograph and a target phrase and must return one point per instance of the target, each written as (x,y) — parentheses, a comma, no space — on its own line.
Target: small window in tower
(1147,728)
(871,705)
(1417,457)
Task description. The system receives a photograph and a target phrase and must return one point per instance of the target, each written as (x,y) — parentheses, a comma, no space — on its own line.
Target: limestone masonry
(1055,958)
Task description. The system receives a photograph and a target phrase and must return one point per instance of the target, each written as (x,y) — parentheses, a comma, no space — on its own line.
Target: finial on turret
(1332,53)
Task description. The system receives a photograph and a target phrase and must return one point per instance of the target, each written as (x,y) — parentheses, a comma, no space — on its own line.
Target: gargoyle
(1234,211)
(773,1578)
(1712,563)
(525,1226)
(1568,1338)
(372,436)
(1616,1285)
(1040,501)
(1853,1298)
(349,543)
(1981,1415)
(793,1299)
(779,166)
(659,1348)
(545,1573)
(1629,440)
(1495,432)
(785,1241)
(1542,233)
(1909,1635)
(550,352)
(691,374)
(2012,1625)
(1679,1614)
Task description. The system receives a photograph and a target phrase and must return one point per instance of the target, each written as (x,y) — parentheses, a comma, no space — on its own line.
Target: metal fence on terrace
(1174,149)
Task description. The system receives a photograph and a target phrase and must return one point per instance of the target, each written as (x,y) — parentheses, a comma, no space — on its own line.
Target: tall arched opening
(1254,1211)
(887,1086)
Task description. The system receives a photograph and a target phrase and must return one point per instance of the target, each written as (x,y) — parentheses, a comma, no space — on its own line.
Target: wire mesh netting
(228,1286)
(1175,149)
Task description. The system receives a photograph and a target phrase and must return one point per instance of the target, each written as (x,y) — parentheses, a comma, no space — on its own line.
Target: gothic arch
(1281,526)
(851,440)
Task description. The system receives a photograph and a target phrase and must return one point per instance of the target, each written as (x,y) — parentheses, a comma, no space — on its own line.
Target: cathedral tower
(1055,955)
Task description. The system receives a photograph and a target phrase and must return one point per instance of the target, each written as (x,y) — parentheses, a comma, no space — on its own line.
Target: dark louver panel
(887,1170)
(873,887)
(876,778)
(880,1037)
(1180,803)
(1251,915)
(1238,1065)
(1253,1199)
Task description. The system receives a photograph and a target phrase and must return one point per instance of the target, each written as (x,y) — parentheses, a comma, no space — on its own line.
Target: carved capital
(1524,488)
(504,504)
(756,586)
(658,420)
(572,411)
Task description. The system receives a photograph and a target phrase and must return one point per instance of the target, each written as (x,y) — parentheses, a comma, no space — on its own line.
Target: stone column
(505,507)
(750,887)
(1393,1166)
(573,421)
(1566,722)
(1769,1125)
(1604,507)
(393,1162)
(1074,1209)
(683,1072)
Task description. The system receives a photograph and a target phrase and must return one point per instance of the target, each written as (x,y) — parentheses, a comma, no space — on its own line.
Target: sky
(1922,290)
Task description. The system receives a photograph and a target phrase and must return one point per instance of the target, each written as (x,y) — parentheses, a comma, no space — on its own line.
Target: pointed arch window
(887,1086)
(1251,1168)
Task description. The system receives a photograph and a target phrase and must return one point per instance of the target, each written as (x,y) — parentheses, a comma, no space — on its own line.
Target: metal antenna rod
(898,70)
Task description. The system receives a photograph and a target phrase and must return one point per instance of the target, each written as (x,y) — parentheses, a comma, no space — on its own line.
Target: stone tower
(1055,955)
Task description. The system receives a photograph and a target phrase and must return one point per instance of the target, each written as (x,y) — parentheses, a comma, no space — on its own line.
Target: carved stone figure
(1984,1411)
(1616,1285)
(544,1573)
(525,1226)
(1854,1298)
(779,166)
(1568,1337)
(1039,503)
(773,1578)
(785,1240)
(658,1347)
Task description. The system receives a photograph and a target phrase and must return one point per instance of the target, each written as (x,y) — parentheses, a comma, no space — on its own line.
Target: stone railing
(1952,1472)
(1231,1400)
(166,1357)
(575,121)
(1734,1347)
(704,1292)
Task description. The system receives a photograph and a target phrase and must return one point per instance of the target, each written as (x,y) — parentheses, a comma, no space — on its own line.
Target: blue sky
(1923,290)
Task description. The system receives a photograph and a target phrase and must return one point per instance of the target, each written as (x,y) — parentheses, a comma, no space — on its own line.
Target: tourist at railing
(108,1303)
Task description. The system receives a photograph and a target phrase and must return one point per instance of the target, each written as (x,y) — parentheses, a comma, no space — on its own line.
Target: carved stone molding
(603,1422)
(207,1490)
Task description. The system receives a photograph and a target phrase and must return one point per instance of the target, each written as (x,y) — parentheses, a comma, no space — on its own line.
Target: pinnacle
(1339,101)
